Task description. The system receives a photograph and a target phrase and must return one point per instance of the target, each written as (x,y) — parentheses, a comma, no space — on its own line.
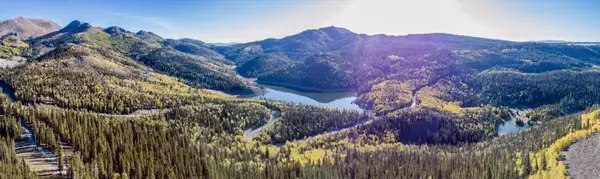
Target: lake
(343,100)
(511,127)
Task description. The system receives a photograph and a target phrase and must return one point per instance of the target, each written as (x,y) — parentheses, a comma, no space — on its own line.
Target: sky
(251,20)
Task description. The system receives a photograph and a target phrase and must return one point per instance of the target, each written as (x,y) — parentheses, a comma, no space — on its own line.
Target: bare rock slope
(583,158)
(26,27)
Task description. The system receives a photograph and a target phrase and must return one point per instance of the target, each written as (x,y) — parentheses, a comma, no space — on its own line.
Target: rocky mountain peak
(76,27)
(115,30)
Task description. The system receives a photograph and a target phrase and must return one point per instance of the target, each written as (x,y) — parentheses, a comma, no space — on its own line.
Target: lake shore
(305,88)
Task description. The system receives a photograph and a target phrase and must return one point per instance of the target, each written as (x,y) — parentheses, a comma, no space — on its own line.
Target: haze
(243,21)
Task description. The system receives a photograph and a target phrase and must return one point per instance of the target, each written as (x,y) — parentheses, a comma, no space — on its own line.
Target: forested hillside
(444,71)
(203,69)
(135,105)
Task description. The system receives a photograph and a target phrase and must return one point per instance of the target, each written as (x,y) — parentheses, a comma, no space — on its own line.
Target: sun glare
(407,16)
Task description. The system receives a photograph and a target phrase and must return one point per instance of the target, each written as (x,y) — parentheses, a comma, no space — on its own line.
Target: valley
(322,103)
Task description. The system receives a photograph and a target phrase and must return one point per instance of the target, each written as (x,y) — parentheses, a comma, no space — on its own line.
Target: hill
(335,58)
(26,28)
(14,31)
(197,65)
(341,59)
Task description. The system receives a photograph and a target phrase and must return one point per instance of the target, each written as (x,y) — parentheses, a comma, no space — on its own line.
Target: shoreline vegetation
(294,86)
(304,88)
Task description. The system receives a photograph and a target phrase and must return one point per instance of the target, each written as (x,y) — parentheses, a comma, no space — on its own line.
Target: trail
(43,162)
(364,122)
(138,112)
(251,133)
(582,158)
(414,101)
(369,120)
(10,93)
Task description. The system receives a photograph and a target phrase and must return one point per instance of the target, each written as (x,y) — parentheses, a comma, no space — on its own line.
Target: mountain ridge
(342,44)
(191,60)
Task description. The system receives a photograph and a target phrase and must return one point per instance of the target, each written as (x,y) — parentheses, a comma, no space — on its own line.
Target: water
(511,127)
(343,100)
(8,91)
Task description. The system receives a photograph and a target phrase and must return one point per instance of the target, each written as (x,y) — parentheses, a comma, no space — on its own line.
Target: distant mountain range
(27,28)
(553,41)
(224,44)
(565,42)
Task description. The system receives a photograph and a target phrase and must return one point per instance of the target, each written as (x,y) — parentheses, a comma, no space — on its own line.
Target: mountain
(128,55)
(387,70)
(223,44)
(116,104)
(113,85)
(340,55)
(25,28)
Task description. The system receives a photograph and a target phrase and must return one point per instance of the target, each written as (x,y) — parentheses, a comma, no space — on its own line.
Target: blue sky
(249,20)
